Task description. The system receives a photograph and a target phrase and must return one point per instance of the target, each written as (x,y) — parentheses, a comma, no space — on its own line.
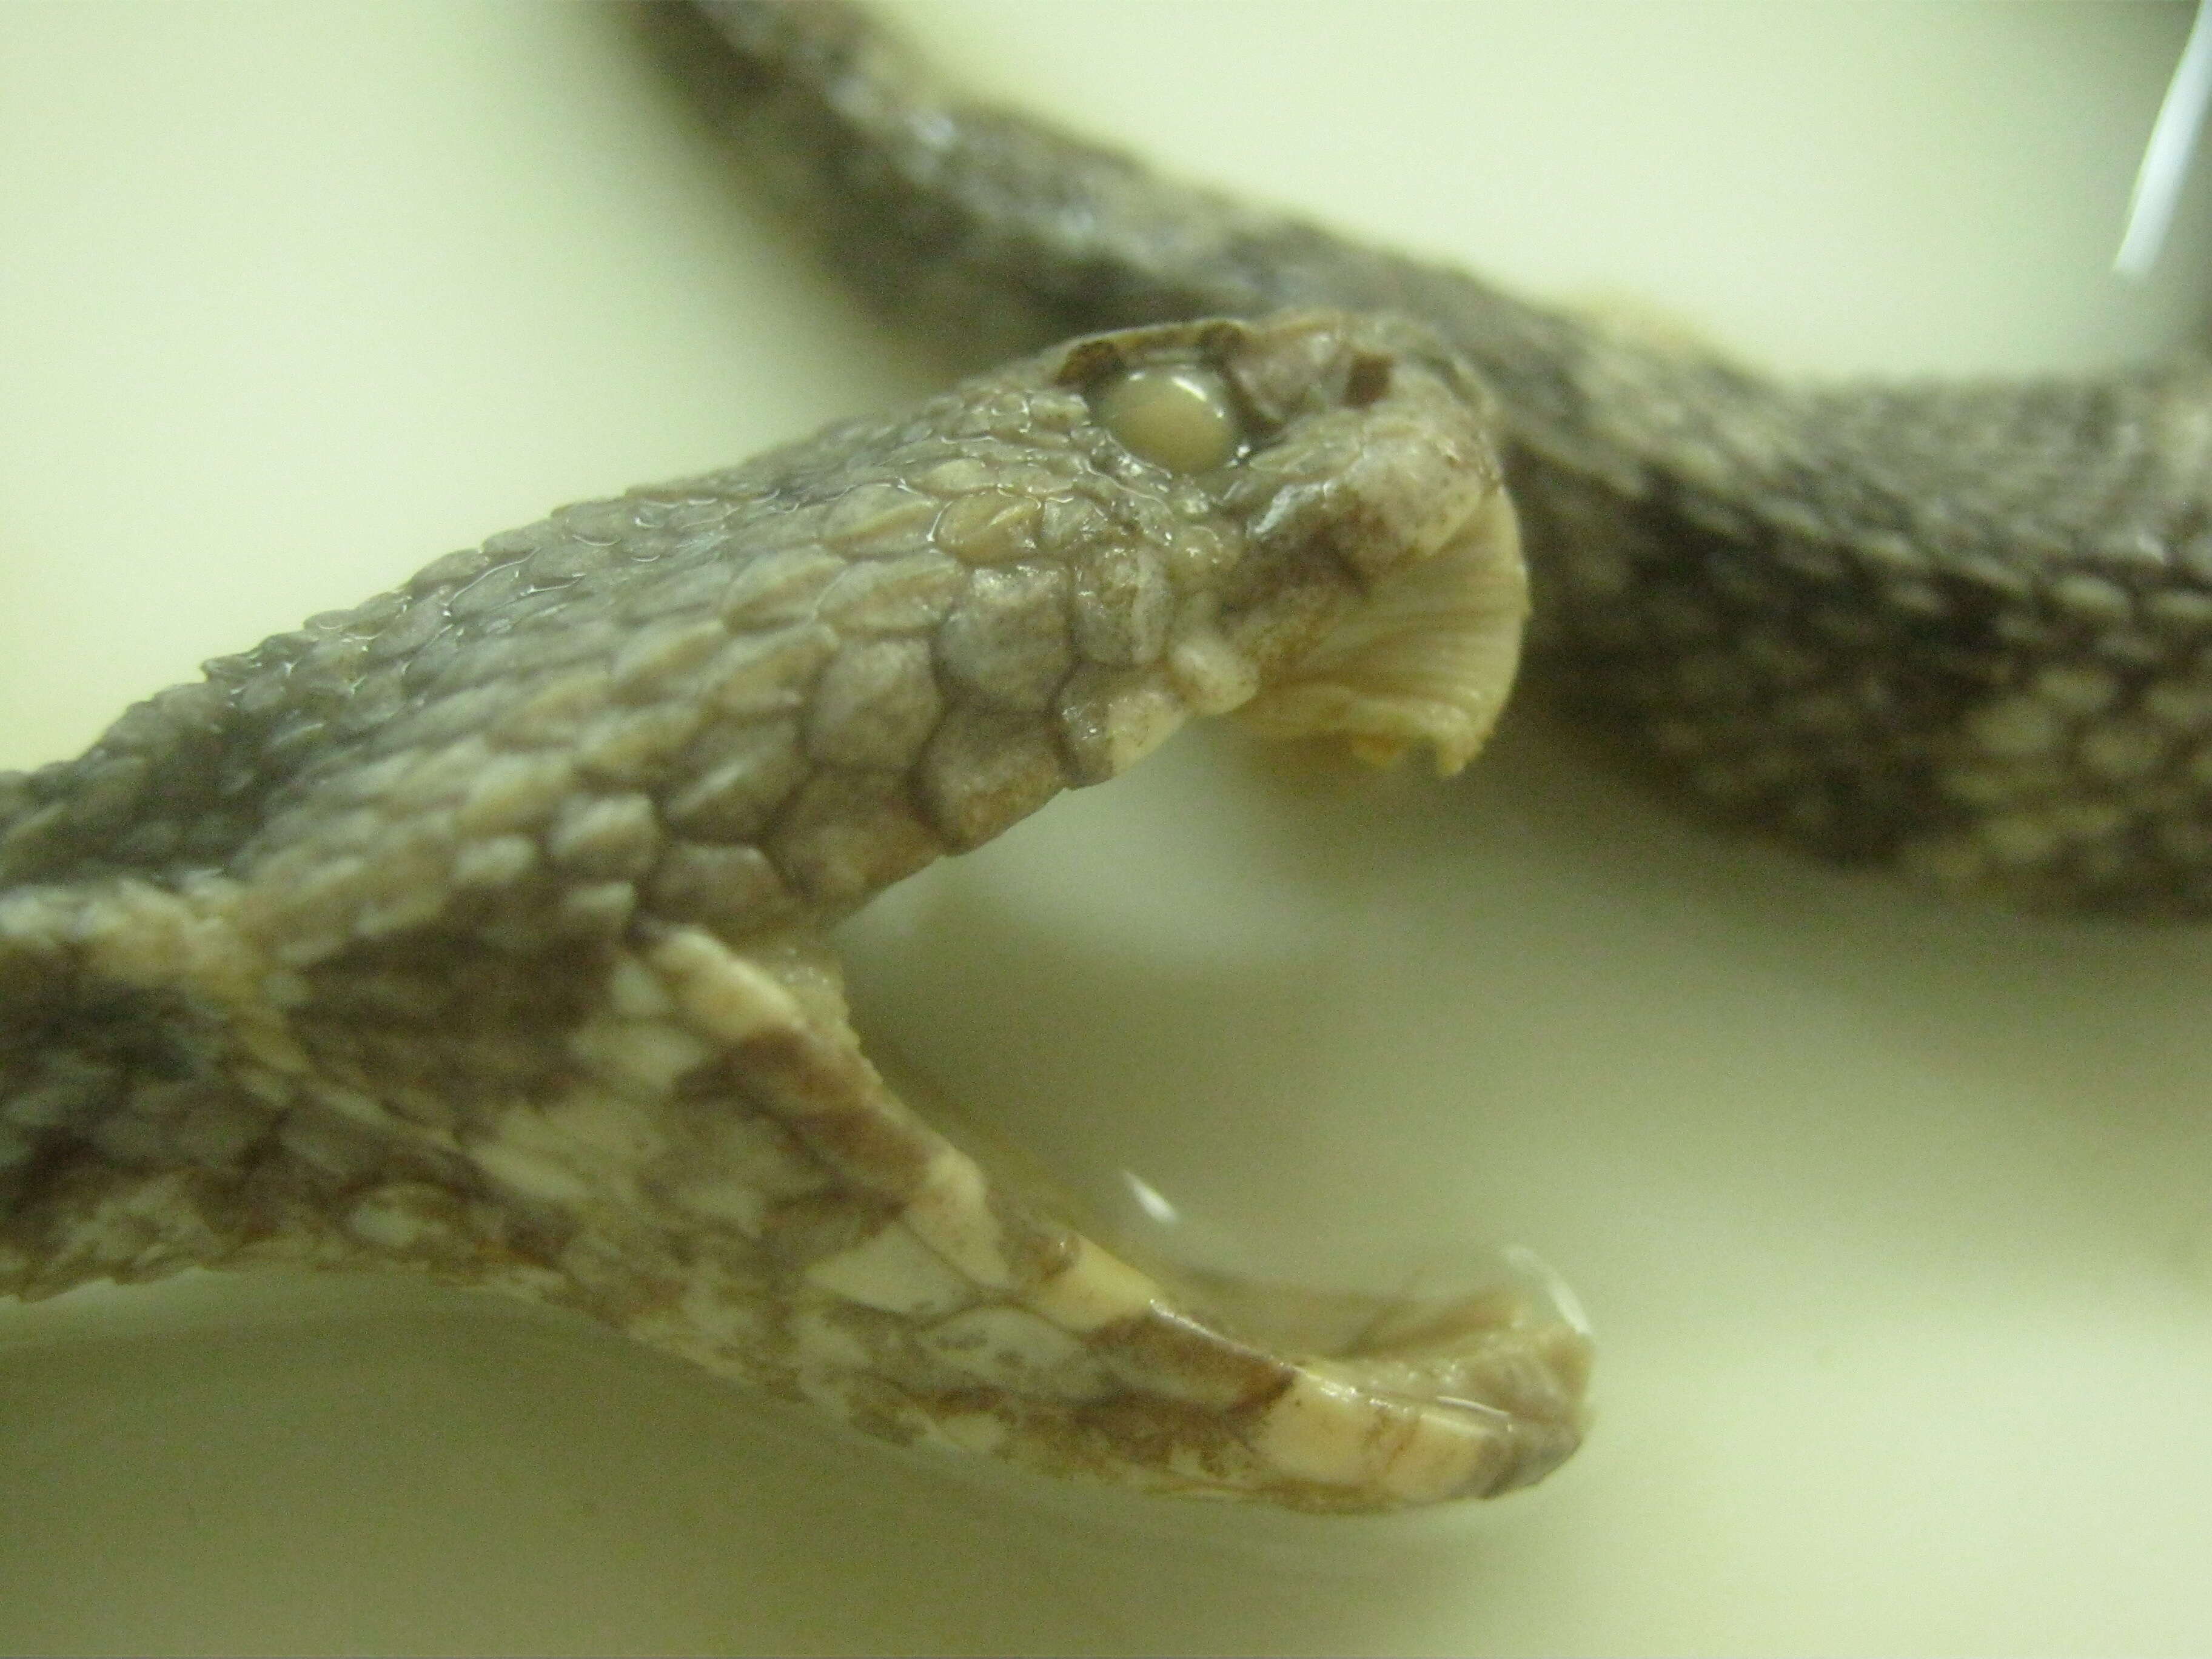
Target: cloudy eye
(1180,417)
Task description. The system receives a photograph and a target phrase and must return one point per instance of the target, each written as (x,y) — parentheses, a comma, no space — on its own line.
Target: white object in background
(2166,158)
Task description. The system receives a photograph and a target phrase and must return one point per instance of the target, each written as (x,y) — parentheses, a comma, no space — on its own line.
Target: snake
(480,932)
(1961,631)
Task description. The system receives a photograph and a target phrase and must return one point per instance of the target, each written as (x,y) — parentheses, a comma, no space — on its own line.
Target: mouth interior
(1508,1342)
(1429,658)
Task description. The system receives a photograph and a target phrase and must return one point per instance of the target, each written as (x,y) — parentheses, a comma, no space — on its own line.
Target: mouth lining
(1428,657)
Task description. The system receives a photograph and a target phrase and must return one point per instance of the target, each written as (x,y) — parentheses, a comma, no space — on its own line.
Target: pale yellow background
(1893,1220)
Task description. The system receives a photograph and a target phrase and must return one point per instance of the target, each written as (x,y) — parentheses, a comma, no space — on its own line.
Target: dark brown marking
(1368,380)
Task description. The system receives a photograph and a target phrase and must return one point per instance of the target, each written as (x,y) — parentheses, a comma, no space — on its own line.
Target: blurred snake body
(479,931)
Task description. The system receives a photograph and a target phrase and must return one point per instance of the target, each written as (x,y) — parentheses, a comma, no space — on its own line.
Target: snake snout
(1412,508)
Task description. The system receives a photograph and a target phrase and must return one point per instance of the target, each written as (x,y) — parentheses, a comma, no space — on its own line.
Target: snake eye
(1181,417)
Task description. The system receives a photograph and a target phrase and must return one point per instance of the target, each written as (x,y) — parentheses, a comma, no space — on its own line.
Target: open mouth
(1350,1398)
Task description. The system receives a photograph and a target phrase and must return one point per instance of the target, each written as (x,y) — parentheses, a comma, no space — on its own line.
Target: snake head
(482,930)
(1336,556)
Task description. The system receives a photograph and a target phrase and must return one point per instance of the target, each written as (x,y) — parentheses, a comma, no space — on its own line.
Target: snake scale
(478,931)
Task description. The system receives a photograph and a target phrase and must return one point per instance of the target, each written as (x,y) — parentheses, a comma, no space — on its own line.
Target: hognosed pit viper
(478,931)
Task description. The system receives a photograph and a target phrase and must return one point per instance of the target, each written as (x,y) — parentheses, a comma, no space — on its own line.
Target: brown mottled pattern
(477,930)
(1962,629)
